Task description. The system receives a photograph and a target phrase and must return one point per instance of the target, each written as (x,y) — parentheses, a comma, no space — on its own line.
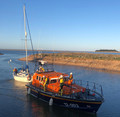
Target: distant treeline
(1,54)
(106,50)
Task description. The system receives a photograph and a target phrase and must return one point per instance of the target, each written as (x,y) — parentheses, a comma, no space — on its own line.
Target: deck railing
(89,86)
(94,87)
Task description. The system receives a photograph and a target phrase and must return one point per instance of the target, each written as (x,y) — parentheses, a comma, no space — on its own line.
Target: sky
(74,25)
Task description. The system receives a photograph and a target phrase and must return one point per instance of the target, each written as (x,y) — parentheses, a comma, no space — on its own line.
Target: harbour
(78,39)
(16,102)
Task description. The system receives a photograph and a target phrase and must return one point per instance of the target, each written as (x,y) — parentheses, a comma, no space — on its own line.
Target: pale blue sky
(80,25)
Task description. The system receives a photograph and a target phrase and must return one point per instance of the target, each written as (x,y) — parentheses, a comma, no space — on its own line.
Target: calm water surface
(14,101)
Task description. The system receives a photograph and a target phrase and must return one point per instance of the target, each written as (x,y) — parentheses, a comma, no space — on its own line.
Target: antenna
(25,35)
(53,60)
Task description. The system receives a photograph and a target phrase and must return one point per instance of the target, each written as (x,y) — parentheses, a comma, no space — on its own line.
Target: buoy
(28,91)
(50,102)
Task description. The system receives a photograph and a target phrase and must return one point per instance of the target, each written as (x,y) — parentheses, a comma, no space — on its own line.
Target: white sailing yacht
(22,74)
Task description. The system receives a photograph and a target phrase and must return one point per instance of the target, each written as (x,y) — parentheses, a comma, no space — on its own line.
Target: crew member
(61,84)
(15,71)
(70,78)
(44,82)
(29,77)
(41,69)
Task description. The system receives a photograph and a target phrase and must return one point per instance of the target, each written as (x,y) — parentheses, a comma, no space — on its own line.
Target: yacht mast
(25,35)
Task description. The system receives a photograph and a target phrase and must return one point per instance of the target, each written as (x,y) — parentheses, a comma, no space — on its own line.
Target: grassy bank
(95,61)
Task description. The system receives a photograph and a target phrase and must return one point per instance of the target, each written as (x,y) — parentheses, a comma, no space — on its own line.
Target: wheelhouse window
(53,81)
(42,79)
(37,78)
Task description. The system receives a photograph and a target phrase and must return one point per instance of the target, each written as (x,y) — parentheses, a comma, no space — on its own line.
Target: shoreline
(101,51)
(109,63)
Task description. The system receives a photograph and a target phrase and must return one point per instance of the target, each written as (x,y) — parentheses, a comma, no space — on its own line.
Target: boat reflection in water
(71,94)
(41,108)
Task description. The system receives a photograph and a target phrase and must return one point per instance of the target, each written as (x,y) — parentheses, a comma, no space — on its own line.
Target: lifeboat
(73,95)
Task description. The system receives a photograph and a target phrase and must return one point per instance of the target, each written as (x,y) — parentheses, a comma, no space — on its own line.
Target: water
(14,101)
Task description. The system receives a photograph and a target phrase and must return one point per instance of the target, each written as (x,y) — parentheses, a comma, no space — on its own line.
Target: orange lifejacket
(71,77)
(70,81)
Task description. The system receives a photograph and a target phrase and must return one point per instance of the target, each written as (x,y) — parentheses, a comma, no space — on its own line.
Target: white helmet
(61,76)
(71,73)
(43,76)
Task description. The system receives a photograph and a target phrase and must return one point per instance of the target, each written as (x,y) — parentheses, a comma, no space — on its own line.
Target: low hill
(106,50)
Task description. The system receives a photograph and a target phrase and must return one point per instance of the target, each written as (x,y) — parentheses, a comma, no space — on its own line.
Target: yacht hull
(21,78)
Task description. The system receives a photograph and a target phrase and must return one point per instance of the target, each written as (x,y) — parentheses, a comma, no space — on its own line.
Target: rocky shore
(94,61)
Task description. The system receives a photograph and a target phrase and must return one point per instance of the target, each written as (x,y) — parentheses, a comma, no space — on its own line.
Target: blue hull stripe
(68,103)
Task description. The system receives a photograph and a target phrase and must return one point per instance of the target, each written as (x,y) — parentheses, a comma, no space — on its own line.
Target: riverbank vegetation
(107,62)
